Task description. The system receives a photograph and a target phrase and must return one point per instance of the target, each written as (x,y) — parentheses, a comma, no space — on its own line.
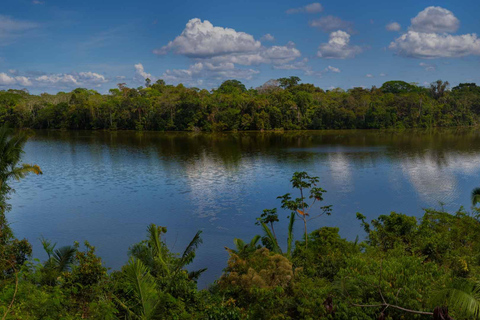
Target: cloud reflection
(435,177)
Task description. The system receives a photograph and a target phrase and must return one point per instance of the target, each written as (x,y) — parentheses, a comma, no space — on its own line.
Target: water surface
(106,187)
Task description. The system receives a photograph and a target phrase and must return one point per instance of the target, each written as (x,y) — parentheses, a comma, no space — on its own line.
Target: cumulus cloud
(428,66)
(332,69)
(310,8)
(6,80)
(202,39)
(268,37)
(435,19)
(197,73)
(433,45)
(140,74)
(331,23)
(216,51)
(65,80)
(394,26)
(428,37)
(273,55)
(338,47)
(70,79)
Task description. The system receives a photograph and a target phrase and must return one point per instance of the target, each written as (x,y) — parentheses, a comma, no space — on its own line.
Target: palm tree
(11,150)
(144,292)
(243,249)
(59,260)
(461,296)
(475,196)
(154,271)
(272,240)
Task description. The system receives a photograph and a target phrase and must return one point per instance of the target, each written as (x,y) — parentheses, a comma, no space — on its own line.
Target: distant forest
(282,104)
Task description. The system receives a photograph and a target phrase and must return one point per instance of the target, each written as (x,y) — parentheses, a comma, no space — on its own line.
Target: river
(106,187)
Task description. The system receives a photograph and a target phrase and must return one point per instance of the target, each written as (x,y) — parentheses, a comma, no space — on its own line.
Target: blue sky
(50,46)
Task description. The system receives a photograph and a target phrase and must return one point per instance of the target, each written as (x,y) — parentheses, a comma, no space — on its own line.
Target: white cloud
(70,79)
(38,2)
(268,37)
(216,51)
(394,26)
(272,55)
(310,8)
(428,37)
(6,80)
(65,80)
(202,39)
(140,74)
(369,75)
(382,74)
(198,72)
(427,66)
(435,20)
(433,45)
(281,54)
(332,69)
(23,81)
(338,47)
(331,23)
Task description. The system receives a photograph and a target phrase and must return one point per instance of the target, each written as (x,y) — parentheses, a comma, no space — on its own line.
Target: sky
(59,45)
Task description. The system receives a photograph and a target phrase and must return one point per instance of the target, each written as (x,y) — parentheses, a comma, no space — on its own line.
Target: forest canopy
(281,104)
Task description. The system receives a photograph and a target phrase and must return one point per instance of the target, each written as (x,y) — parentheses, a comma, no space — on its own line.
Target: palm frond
(275,247)
(63,257)
(290,234)
(144,289)
(462,296)
(254,242)
(475,196)
(194,275)
(189,253)
(18,173)
(239,244)
(156,247)
(47,246)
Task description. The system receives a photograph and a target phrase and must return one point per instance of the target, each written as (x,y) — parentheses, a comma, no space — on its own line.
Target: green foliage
(475,196)
(406,268)
(278,104)
(326,255)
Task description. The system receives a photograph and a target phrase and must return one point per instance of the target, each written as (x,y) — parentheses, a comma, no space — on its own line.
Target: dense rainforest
(282,104)
(405,268)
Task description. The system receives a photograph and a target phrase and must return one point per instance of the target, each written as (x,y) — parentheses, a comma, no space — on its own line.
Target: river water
(106,187)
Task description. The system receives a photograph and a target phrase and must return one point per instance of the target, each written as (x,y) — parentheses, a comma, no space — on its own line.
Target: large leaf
(63,258)
(189,253)
(157,248)
(144,290)
(275,247)
(290,235)
(475,196)
(462,296)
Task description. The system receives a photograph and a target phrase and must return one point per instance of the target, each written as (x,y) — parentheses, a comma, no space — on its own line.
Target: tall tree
(11,151)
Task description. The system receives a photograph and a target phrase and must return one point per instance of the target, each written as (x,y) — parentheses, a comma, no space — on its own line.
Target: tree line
(406,268)
(281,104)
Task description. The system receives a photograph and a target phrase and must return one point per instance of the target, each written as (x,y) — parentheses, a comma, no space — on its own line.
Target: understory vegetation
(282,104)
(405,268)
